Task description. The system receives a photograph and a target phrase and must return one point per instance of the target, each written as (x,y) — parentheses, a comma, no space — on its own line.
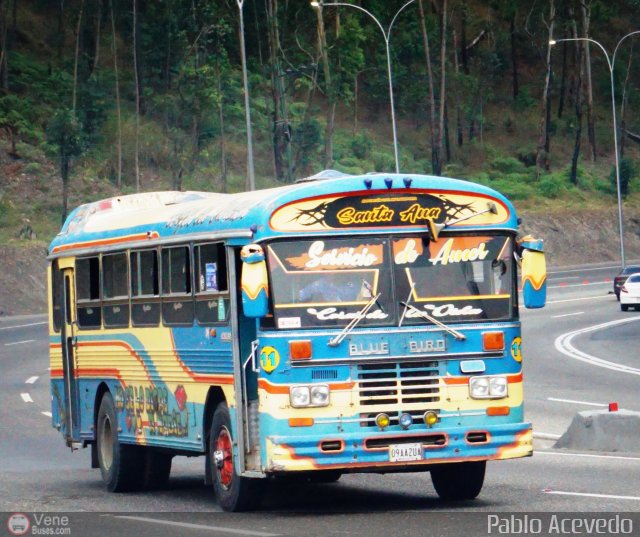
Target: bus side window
(56,296)
(212,288)
(145,288)
(115,292)
(88,292)
(177,297)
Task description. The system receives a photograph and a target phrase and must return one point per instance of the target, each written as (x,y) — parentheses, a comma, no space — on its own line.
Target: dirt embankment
(570,238)
(22,278)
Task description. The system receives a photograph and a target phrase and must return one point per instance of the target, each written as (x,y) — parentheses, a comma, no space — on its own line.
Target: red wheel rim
(223,445)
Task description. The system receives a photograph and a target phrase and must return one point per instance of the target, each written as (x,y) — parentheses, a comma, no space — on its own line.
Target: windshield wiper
(458,335)
(334,342)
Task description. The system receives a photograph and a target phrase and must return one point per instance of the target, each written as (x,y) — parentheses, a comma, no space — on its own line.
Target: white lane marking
(31,380)
(565,278)
(576,299)
(218,529)
(571,401)
(563,345)
(567,315)
(588,456)
(22,325)
(546,436)
(26,398)
(576,285)
(592,495)
(19,342)
(583,269)
(45,413)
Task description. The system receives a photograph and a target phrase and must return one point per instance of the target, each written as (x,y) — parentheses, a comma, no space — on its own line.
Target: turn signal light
(300,422)
(493,341)
(498,411)
(300,350)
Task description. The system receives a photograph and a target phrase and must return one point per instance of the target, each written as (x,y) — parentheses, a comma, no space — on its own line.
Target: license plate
(405,452)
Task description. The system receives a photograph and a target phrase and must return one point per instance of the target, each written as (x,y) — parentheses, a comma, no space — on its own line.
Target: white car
(630,293)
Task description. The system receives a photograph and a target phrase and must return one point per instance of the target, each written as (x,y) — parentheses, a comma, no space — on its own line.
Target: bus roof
(330,201)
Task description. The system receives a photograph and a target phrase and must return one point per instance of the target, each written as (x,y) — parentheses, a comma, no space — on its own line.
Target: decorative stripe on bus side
(107,242)
(211,379)
(198,377)
(284,388)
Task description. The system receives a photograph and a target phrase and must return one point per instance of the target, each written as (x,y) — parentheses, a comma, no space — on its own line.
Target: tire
(459,481)
(319,476)
(624,307)
(157,469)
(325,476)
(234,493)
(120,464)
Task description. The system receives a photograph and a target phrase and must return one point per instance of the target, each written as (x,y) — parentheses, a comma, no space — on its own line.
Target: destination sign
(382,209)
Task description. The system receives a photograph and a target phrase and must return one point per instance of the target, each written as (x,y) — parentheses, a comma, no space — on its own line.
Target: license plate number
(405,452)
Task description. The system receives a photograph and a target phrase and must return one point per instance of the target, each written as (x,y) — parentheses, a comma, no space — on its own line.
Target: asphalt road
(564,373)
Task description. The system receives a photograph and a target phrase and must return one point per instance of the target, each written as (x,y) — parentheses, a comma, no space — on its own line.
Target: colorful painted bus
(340,324)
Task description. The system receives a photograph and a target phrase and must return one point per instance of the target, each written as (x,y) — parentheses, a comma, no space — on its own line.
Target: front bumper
(371,452)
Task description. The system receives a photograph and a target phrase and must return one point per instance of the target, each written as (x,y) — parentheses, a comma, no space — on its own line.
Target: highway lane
(38,473)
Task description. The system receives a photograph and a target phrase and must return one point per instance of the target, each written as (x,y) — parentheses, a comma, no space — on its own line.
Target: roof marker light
(389,182)
(407,182)
(368,183)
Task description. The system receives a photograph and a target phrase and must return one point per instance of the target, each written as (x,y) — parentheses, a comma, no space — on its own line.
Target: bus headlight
(498,387)
(309,396)
(488,387)
(320,395)
(299,396)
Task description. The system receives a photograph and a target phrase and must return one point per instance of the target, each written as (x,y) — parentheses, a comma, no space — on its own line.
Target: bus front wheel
(458,481)
(120,464)
(233,492)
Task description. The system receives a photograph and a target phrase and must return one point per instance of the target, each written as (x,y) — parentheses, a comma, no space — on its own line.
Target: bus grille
(394,388)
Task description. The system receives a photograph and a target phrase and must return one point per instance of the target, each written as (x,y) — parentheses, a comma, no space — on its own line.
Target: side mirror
(534,272)
(254,282)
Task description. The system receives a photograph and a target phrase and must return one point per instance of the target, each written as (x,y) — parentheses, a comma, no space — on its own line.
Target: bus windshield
(327,282)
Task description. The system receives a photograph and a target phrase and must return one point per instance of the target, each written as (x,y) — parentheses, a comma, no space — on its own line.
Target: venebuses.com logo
(18,524)
(38,524)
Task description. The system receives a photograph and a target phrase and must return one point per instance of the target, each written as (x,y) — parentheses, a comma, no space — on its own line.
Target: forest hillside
(101,97)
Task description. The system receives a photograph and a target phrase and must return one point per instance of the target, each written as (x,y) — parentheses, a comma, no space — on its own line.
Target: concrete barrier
(601,430)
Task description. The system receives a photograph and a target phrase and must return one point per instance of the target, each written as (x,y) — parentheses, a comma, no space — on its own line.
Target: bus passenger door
(69,341)
(245,378)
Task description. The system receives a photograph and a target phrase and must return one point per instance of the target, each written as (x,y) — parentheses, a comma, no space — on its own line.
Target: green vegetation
(93,105)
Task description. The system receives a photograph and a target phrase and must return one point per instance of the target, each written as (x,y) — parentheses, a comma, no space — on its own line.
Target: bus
(340,324)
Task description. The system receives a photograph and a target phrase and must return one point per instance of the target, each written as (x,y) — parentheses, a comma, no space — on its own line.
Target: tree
(436,126)
(591,129)
(281,126)
(542,151)
(4,74)
(136,71)
(15,118)
(64,138)
(77,54)
(114,48)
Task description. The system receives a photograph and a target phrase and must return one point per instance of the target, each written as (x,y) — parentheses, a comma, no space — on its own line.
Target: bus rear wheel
(459,481)
(233,492)
(120,464)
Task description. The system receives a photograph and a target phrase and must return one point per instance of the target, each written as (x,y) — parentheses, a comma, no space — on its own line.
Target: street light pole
(251,178)
(387,36)
(611,64)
